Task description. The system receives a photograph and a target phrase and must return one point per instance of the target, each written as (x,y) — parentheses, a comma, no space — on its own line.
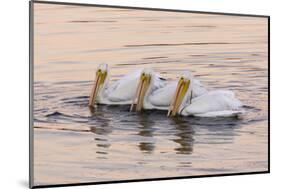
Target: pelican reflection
(146,130)
(184,133)
(100,126)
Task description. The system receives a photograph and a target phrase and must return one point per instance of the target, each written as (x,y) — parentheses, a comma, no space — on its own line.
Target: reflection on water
(75,143)
(145,130)
(185,137)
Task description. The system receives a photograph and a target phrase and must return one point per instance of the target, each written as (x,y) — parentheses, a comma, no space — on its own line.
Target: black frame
(31,81)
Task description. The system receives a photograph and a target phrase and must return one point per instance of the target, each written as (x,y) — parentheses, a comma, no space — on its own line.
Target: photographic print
(128,94)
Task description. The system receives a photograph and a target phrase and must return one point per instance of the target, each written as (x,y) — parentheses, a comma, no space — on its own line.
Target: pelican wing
(225,113)
(213,104)
(123,89)
(162,97)
(198,89)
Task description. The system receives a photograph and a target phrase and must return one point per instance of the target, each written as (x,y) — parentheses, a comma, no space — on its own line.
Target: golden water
(73,144)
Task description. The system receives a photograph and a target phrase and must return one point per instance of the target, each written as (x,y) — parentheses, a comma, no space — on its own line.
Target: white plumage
(216,103)
(207,104)
(160,98)
(120,92)
(147,90)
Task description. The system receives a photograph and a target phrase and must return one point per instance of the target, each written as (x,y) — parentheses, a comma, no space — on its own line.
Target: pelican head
(182,92)
(144,85)
(100,80)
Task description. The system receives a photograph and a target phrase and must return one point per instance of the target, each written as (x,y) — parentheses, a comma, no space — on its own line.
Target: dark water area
(74,143)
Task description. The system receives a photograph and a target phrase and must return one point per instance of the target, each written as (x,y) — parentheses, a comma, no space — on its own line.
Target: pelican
(217,103)
(120,92)
(147,97)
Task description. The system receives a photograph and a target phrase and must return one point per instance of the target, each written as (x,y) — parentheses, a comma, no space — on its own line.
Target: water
(75,144)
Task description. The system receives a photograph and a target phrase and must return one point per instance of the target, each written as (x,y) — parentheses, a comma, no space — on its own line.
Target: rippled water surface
(74,144)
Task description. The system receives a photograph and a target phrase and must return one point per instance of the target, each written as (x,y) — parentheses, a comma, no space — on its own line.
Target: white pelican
(218,103)
(121,92)
(147,97)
